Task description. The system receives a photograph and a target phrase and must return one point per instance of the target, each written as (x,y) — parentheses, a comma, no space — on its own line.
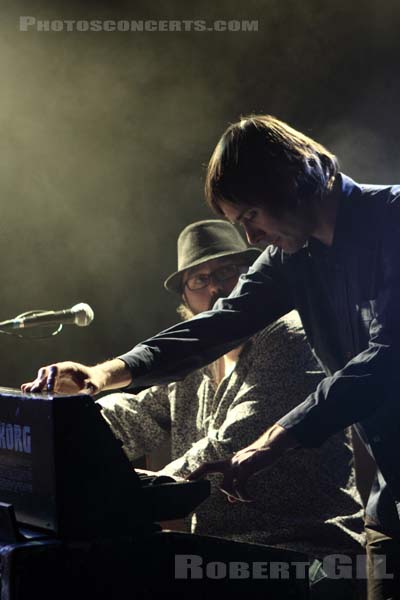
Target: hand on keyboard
(155,478)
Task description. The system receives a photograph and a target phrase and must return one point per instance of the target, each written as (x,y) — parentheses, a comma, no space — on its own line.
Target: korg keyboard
(76,521)
(65,473)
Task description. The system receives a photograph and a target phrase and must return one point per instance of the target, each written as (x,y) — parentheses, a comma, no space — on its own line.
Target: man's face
(213,279)
(289,232)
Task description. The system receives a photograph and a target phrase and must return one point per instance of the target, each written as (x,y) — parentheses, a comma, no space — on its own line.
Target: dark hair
(262,161)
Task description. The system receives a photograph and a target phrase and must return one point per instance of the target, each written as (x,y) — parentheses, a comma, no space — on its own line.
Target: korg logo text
(15,437)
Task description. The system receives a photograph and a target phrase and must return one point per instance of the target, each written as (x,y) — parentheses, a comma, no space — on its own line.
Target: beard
(214,299)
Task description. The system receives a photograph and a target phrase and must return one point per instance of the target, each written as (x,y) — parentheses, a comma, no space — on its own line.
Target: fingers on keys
(234,481)
(45,380)
(51,378)
(234,485)
(206,468)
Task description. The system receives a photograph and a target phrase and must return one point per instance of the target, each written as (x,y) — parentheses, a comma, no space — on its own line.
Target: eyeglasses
(221,275)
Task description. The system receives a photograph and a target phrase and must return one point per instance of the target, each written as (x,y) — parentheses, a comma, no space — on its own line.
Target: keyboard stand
(9,532)
(34,564)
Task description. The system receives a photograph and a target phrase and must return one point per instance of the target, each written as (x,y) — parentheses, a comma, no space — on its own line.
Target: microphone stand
(30,313)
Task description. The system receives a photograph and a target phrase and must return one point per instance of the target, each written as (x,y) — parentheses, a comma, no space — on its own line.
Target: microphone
(81,314)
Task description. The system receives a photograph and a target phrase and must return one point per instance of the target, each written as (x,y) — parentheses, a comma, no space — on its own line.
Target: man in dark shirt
(335,257)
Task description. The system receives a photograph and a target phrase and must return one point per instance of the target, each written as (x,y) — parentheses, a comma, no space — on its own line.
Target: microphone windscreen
(84,314)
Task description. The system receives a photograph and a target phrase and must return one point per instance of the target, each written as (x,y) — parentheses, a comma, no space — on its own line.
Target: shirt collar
(344,190)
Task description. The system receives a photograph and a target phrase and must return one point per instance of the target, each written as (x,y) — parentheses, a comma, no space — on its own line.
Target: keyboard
(64,472)
(168,498)
(154,479)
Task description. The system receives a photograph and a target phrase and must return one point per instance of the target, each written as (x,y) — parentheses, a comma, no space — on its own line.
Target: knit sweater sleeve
(280,372)
(141,421)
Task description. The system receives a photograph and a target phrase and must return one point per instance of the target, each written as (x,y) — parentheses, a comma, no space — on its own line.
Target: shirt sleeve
(261,297)
(369,383)
(142,422)
(267,391)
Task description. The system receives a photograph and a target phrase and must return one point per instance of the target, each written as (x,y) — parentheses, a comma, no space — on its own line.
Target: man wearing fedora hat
(198,245)
(216,410)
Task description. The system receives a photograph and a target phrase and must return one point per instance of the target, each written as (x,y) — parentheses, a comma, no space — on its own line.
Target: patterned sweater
(307,502)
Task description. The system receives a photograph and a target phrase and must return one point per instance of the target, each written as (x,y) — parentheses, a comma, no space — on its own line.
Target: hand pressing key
(75,378)
(237,469)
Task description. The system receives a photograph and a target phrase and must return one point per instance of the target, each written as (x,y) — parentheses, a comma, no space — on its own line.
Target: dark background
(105,137)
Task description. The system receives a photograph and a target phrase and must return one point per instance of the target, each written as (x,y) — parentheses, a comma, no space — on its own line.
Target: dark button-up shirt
(348,297)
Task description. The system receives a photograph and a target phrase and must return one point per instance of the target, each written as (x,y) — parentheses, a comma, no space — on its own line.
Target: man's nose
(253,235)
(214,286)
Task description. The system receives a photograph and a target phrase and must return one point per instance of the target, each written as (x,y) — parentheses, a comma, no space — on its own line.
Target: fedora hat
(206,240)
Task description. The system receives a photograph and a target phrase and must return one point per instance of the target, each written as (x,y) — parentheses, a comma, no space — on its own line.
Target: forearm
(277,437)
(177,351)
(351,395)
(112,374)
(207,450)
